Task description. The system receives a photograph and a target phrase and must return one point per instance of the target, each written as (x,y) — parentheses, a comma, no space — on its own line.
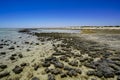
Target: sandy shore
(58,56)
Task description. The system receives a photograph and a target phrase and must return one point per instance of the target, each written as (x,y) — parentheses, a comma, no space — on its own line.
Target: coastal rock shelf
(57,56)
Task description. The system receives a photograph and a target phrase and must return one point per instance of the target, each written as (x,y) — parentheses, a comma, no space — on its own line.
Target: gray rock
(12,58)
(23,64)
(55,71)
(63,75)
(58,65)
(47,70)
(78,71)
(99,74)
(11,48)
(46,64)
(4,74)
(17,70)
(72,73)
(67,68)
(73,63)
(2,53)
(35,78)
(117,72)
(51,77)
(20,56)
(90,73)
(3,66)
(118,78)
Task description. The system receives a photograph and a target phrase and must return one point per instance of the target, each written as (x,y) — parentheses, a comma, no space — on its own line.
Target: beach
(35,54)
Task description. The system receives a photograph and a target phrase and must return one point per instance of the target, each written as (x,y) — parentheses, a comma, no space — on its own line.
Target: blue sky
(58,13)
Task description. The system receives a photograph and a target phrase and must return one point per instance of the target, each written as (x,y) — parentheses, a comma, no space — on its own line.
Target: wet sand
(59,56)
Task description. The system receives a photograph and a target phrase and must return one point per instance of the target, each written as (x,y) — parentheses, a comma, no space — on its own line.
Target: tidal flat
(28,54)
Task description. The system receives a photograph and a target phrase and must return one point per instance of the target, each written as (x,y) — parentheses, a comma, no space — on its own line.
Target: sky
(58,13)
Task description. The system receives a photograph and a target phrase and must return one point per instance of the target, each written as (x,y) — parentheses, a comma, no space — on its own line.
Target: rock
(108,74)
(58,65)
(26,42)
(58,54)
(73,63)
(78,71)
(47,70)
(51,59)
(28,50)
(46,64)
(11,48)
(118,78)
(63,75)
(37,43)
(51,77)
(99,74)
(14,43)
(2,53)
(3,66)
(72,73)
(63,58)
(23,64)
(93,79)
(117,72)
(36,67)
(12,58)
(4,74)
(67,68)
(90,73)
(1,46)
(115,67)
(55,71)
(82,59)
(24,31)
(107,54)
(17,70)
(20,56)
(14,55)
(90,65)
(35,78)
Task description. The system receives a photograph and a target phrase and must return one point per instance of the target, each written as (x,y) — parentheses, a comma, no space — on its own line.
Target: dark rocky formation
(12,58)
(63,75)
(24,31)
(14,55)
(23,64)
(35,78)
(118,78)
(72,73)
(20,56)
(67,68)
(26,42)
(11,48)
(2,53)
(73,63)
(46,64)
(3,66)
(36,66)
(1,46)
(78,71)
(55,71)
(58,65)
(90,73)
(4,74)
(47,70)
(51,77)
(17,70)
